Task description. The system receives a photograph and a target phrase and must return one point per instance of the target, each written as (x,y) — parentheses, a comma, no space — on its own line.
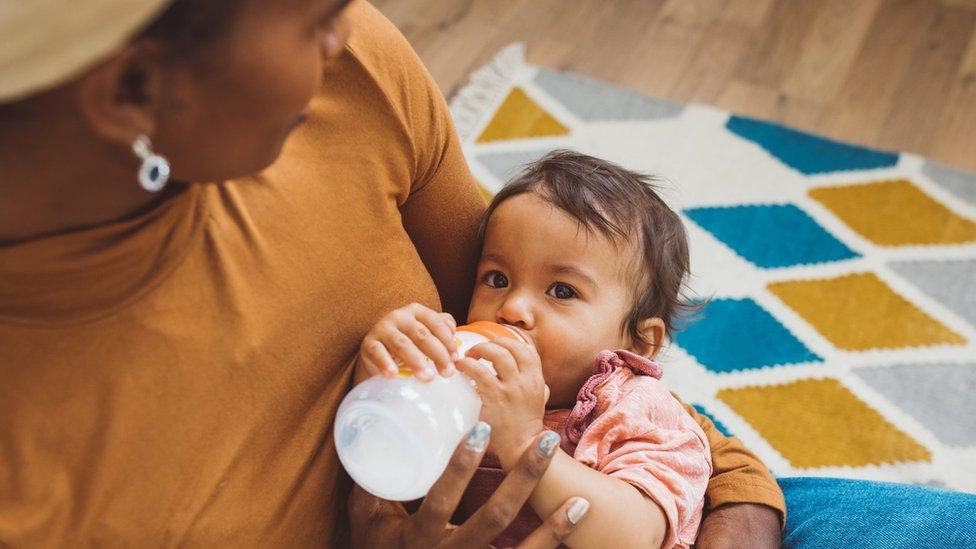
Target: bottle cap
(492,330)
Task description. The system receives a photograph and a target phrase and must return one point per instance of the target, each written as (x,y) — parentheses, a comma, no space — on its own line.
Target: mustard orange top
(173,378)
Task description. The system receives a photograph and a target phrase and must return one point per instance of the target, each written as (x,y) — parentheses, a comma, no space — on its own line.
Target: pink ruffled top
(625,424)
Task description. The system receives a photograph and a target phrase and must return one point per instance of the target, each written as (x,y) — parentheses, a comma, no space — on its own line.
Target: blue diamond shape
(738,334)
(808,153)
(718,424)
(774,235)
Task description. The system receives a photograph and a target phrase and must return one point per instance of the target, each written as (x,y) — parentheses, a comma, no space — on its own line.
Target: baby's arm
(620,515)
(644,438)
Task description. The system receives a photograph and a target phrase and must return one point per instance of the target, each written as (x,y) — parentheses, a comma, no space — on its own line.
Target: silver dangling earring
(154,171)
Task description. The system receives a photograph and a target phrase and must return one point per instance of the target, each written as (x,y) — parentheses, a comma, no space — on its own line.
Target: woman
(172,354)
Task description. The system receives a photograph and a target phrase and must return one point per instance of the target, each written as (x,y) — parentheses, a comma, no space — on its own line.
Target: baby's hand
(413,337)
(514,401)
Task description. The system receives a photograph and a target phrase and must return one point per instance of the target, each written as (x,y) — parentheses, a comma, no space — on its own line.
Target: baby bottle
(395,435)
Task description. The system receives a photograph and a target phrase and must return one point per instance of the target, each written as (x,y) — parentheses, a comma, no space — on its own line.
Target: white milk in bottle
(395,435)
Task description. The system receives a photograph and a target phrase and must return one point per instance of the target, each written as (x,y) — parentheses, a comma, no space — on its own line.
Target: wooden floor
(895,74)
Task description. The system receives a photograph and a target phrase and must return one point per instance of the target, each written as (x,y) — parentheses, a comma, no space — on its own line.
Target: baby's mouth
(524,335)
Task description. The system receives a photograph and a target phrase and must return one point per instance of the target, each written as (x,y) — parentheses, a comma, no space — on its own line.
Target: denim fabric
(831,512)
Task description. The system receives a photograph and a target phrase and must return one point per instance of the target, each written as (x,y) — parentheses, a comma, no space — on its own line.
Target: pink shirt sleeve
(644,437)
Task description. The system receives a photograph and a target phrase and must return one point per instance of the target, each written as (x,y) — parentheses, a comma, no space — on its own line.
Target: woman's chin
(264,160)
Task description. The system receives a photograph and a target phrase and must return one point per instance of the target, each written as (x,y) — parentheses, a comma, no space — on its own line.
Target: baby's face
(566,287)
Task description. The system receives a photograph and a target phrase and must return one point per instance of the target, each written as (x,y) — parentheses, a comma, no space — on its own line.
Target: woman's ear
(121,98)
(652,331)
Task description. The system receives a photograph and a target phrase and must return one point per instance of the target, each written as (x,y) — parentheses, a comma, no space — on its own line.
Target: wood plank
(672,38)
(601,43)
(831,44)
(692,13)
(965,4)
(749,99)
(711,69)
(765,103)
(894,74)
(956,139)
(914,115)
(433,27)
(772,56)
(750,13)
(861,106)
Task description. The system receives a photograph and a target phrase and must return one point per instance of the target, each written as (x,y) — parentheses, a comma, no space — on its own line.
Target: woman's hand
(740,525)
(414,337)
(513,399)
(387,525)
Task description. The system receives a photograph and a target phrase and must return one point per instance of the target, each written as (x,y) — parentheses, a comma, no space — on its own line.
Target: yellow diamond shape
(519,117)
(895,213)
(819,423)
(859,311)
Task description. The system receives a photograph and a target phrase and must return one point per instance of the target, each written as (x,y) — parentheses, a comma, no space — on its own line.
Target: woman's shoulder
(375,40)
(385,54)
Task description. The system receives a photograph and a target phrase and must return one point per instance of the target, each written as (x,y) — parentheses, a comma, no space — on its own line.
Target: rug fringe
(485,87)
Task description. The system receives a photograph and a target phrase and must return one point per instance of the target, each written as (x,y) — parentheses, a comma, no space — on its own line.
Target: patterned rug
(840,334)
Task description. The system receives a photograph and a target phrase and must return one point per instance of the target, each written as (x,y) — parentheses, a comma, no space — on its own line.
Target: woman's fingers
(429,521)
(501,359)
(558,526)
(373,522)
(499,511)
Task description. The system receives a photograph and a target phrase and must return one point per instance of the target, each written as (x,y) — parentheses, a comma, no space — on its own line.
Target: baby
(583,259)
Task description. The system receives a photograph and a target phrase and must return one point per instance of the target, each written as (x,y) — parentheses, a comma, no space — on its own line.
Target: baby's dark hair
(623,206)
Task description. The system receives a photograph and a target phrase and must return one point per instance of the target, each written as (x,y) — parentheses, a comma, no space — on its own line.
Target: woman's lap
(830,512)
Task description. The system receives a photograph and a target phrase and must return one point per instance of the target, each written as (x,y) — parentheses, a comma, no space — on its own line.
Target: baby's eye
(562,291)
(495,279)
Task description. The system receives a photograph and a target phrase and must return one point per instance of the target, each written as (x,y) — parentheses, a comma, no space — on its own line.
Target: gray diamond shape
(951,282)
(593,100)
(506,165)
(941,396)
(958,182)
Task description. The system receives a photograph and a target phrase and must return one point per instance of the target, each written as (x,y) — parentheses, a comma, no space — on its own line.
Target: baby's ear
(652,332)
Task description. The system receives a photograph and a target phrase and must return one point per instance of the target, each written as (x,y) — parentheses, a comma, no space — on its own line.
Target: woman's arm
(442,219)
(744,506)
(738,476)
(444,207)
(439,202)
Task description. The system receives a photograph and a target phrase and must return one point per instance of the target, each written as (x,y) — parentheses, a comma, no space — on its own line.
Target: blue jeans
(830,512)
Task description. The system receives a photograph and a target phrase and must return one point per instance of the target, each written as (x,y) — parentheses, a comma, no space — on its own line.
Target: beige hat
(44,43)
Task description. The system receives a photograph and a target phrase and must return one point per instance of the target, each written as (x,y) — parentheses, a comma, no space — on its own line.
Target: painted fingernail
(448,370)
(577,510)
(548,443)
(477,439)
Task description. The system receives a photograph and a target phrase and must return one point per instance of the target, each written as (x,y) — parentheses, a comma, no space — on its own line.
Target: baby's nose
(515,314)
